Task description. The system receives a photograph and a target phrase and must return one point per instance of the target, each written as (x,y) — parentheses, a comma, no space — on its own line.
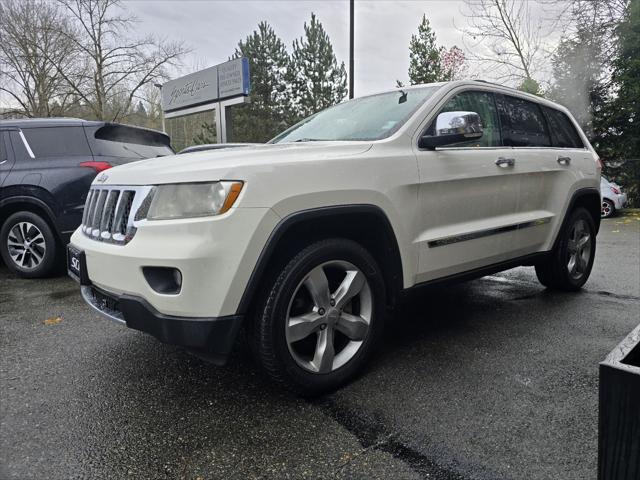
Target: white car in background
(613,198)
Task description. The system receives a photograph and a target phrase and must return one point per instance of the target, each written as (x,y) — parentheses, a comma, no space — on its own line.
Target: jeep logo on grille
(102,178)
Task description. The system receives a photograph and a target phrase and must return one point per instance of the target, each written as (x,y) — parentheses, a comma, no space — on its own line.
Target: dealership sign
(229,79)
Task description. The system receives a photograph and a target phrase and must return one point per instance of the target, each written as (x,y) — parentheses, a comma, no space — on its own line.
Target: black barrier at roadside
(619,424)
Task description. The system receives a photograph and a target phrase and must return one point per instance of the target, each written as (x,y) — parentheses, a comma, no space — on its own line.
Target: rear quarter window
(57,141)
(523,124)
(563,133)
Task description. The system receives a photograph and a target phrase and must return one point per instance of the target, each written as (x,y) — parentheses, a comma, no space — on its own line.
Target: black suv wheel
(28,245)
(569,265)
(322,317)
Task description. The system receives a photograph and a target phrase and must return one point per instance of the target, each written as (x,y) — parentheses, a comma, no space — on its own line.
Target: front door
(467,196)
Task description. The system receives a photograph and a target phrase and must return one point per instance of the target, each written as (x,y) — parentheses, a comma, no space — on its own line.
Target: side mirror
(453,127)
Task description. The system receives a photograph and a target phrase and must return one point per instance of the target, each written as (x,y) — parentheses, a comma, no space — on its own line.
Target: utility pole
(159,87)
(351,48)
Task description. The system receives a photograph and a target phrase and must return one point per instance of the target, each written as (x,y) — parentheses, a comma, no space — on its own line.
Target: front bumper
(620,200)
(215,256)
(210,337)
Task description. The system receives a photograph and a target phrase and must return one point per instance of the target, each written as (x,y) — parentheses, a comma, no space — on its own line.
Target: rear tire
(608,209)
(28,245)
(322,318)
(569,265)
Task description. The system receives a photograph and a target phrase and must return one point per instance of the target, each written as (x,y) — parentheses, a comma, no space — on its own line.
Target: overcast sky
(382,29)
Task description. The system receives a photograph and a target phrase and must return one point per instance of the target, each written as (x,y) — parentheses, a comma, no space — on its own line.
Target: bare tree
(507,36)
(114,64)
(34,46)
(598,19)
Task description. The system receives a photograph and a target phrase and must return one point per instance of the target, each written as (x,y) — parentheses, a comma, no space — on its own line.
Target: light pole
(351,2)
(159,87)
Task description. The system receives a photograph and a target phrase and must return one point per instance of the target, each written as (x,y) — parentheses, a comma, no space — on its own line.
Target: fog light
(164,280)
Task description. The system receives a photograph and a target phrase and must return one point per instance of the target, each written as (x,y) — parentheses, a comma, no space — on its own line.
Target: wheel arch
(9,206)
(588,198)
(365,224)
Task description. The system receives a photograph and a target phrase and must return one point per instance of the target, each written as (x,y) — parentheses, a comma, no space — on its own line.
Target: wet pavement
(492,379)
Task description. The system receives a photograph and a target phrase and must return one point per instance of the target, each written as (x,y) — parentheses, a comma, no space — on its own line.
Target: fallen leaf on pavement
(52,321)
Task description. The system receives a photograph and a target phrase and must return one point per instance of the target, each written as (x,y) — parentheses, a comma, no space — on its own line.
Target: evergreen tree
(620,137)
(269,111)
(316,78)
(425,56)
(138,116)
(579,70)
(207,134)
(140,110)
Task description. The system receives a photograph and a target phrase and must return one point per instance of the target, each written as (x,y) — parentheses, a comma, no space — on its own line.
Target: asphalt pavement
(492,379)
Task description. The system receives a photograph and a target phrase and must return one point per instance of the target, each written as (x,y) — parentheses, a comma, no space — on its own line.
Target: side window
(484,105)
(19,150)
(57,141)
(523,124)
(563,133)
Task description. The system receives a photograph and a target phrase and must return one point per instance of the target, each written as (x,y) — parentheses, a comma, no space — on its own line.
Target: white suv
(307,241)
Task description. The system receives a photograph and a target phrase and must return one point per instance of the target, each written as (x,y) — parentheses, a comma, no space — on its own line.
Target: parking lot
(495,378)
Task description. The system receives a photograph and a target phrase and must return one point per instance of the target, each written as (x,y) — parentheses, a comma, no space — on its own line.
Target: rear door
(467,199)
(58,155)
(570,156)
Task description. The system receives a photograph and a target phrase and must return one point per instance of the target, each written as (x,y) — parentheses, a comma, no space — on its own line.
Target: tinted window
(19,151)
(523,124)
(563,133)
(484,105)
(127,142)
(57,141)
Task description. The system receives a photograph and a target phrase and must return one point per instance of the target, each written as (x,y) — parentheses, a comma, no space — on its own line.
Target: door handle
(3,161)
(505,162)
(564,160)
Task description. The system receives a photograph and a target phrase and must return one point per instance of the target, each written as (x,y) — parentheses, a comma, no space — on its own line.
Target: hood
(229,164)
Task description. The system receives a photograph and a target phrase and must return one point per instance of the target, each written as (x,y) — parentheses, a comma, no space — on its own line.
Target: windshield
(367,118)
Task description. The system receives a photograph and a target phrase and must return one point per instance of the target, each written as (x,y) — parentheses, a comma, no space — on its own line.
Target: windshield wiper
(307,140)
(132,150)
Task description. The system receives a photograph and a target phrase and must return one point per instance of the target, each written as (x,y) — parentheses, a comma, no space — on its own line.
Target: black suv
(46,168)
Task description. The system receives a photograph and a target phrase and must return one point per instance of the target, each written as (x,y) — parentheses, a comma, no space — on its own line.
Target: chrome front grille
(111,212)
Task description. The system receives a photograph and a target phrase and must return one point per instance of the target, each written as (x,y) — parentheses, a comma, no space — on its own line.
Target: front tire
(322,318)
(608,209)
(569,265)
(28,245)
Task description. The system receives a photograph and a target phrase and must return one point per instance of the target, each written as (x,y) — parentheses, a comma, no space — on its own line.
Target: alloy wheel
(329,316)
(605,209)
(579,249)
(26,245)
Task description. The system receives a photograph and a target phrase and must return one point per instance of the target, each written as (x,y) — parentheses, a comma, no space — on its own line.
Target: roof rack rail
(493,83)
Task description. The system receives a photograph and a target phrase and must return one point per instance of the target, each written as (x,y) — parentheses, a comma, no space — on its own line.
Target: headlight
(182,200)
